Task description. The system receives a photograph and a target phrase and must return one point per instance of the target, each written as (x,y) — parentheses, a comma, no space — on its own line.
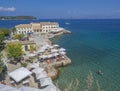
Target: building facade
(42,27)
(23,29)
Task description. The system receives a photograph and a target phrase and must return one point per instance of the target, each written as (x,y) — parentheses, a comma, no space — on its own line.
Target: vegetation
(1,40)
(1,64)
(19,36)
(24,64)
(17,17)
(5,31)
(13,29)
(1,37)
(14,50)
(32,48)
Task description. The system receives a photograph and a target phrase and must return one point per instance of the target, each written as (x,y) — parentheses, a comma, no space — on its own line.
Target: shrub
(24,64)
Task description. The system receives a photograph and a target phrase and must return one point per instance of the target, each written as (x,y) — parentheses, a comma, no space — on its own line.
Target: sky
(62,9)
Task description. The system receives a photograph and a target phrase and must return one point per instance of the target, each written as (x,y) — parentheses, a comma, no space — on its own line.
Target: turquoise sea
(93,45)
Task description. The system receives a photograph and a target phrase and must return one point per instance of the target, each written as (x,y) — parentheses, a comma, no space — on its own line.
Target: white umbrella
(35,65)
(44,56)
(50,55)
(42,50)
(46,46)
(55,54)
(51,47)
(62,53)
(54,50)
(55,45)
(62,49)
(31,55)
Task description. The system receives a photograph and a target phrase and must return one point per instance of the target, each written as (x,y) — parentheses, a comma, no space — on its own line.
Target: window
(26,48)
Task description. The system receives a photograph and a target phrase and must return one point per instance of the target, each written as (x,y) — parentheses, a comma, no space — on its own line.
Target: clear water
(93,45)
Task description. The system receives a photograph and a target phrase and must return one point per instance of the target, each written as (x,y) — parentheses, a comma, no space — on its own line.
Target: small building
(26,45)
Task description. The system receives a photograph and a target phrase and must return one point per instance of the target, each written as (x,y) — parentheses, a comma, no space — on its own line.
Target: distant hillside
(17,18)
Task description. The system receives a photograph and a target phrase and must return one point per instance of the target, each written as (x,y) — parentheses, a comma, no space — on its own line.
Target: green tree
(13,30)
(14,50)
(1,39)
(32,48)
(19,36)
(5,31)
(1,64)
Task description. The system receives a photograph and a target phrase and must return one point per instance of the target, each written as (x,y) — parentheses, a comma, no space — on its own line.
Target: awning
(45,81)
(19,74)
(51,87)
(28,89)
(41,75)
(7,88)
(38,70)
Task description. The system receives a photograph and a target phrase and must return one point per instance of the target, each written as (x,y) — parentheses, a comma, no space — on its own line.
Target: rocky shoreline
(55,72)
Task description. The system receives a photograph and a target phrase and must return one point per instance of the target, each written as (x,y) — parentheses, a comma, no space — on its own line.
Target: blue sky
(77,9)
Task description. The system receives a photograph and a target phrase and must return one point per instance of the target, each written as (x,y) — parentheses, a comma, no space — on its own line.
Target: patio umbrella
(54,50)
(35,65)
(55,54)
(44,56)
(42,50)
(31,55)
(62,53)
(50,55)
(55,45)
(62,49)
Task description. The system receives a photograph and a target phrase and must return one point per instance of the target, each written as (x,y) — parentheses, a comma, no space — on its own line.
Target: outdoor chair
(12,83)
(26,82)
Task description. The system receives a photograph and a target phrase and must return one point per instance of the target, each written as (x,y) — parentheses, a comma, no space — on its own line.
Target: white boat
(67,23)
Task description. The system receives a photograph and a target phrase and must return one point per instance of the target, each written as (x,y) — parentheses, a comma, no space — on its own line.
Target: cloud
(10,9)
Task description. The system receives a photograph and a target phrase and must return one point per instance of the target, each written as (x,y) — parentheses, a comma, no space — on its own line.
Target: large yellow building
(42,27)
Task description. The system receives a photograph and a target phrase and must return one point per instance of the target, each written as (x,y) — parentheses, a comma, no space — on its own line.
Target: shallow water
(93,45)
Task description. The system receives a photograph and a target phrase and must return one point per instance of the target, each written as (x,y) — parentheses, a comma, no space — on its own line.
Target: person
(100,72)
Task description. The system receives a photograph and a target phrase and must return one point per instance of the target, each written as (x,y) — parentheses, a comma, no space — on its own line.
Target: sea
(94,48)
